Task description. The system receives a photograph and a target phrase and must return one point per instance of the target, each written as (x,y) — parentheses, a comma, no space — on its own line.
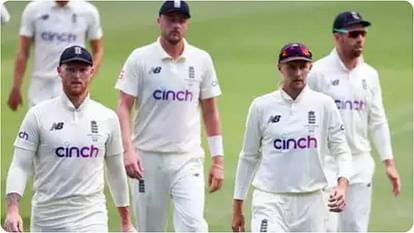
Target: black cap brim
(76,59)
(295,59)
(362,22)
(176,11)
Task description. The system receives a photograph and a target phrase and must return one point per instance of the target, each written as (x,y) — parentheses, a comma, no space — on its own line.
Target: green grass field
(244,39)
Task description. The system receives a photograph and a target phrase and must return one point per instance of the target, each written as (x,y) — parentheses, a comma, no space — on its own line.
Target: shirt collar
(164,55)
(340,64)
(56,6)
(69,105)
(289,99)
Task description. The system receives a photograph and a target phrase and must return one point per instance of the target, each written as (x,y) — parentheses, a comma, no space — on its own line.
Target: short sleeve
(209,85)
(28,136)
(27,26)
(94,27)
(129,78)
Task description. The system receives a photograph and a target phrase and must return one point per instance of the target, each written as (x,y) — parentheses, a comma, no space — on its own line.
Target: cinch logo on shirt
(173,95)
(77,152)
(357,105)
(291,143)
(59,37)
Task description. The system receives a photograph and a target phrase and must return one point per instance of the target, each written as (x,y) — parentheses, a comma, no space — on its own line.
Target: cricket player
(65,143)
(168,82)
(288,133)
(355,87)
(50,27)
(4,15)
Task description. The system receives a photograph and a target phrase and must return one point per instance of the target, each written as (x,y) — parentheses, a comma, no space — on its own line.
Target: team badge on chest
(94,131)
(364,84)
(312,124)
(191,79)
(191,72)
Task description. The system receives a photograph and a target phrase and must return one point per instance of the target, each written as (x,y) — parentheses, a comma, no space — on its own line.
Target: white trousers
(273,212)
(43,89)
(88,228)
(179,177)
(355,216)
(69,219)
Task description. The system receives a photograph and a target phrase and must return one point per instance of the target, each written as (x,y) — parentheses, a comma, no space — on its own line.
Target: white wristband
(215,144)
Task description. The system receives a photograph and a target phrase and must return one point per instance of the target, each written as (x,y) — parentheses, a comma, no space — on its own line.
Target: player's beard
(76,88)
(356,50)
(355,53)
(174,37)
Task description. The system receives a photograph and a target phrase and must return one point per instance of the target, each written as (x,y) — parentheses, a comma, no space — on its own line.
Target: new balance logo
(57,126)
(274,119)
(155,70)
(44,17)
(335,82)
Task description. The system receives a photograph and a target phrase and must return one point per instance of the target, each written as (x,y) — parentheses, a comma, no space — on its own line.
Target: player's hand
(216,174)
(13,222)
(15,99)
(337,199)
(394,177)
(133,165)
(237,223)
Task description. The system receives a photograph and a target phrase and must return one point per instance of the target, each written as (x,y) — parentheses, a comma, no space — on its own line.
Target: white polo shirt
(55,28)
(287,140)
(69,146)
(168,95)
(357,94)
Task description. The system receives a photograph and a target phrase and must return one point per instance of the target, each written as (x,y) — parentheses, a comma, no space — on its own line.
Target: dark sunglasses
(295,51)
(352,34)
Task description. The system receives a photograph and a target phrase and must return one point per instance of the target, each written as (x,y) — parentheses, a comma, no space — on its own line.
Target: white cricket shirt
(68,147)
(55,28)
(287,141)
(357,94)
(168,95)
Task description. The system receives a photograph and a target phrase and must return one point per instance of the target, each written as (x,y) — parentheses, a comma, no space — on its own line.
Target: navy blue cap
(293,52)
(76,53)
(175,6)
(349,18)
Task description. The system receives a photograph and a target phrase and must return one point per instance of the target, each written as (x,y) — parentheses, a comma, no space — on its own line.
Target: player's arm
(26,144)
(248,160)
(131,158)
(116,176)
(215,141)
(379,129)
(20,169)
(118,186)
(94,34)
(97,52)
(23,51)
(339,148)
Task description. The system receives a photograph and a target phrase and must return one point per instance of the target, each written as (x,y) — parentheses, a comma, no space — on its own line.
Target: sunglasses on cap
(295,52)
(352,34)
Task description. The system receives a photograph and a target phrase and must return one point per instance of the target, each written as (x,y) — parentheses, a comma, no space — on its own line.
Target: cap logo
(355,15)
(177,3)
(78,50)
